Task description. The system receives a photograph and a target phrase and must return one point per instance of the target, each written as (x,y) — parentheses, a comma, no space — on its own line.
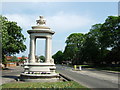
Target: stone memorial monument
(33,69)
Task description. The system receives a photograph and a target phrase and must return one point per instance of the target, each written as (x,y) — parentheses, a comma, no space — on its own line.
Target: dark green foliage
(58,57)
(99,46)
(12,38)
(14,59)
(111,38)
(22,59)
(42,58)
(72,50)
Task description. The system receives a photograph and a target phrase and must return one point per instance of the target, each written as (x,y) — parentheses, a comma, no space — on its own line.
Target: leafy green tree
(72,50)
(111,37)
(113,57)
(14,59)
(3,21)
(42,58)
(12,38)
(58,57)
(93,47)
(98,50)
(22,59)
(111,32)
(90,50)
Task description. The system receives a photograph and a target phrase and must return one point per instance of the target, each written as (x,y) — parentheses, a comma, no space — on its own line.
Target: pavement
(10,74)
(91,78)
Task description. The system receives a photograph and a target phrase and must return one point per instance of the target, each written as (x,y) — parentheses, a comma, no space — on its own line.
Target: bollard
(80,68)
(74,67)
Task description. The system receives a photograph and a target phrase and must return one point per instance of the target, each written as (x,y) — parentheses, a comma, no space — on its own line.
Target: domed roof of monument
(41,24)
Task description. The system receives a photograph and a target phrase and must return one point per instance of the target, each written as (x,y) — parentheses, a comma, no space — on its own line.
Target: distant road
(90,78)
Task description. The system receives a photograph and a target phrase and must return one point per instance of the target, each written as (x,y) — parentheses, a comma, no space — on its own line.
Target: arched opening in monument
(40,50)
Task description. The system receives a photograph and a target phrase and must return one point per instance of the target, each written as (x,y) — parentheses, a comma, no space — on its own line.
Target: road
(90,78)
(10,74)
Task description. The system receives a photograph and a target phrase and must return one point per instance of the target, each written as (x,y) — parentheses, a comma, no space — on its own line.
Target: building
(14,62)
(10,63)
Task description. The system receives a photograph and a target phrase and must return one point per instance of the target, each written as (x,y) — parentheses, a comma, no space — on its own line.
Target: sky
(64,18)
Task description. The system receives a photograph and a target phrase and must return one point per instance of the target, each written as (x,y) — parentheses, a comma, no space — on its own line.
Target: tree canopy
(12,38)
(72,49)
(42,58)
(101,45)
(58,57)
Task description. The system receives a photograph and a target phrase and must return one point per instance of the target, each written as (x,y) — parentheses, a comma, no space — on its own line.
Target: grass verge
(116,69)
(67,84)
(109,68)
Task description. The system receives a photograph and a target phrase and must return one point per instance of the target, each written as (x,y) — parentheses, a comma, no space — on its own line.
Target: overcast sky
(62,17)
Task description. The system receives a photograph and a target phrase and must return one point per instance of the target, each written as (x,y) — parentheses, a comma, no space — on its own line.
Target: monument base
(39,72)
(39,77)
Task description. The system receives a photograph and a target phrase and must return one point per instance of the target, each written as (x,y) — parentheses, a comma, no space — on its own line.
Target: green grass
(109,68)
(67,84)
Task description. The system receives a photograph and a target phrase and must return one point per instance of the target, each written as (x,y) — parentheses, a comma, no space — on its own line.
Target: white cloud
(62,22)
(25,21)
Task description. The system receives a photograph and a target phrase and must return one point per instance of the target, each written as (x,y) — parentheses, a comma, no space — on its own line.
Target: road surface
(90,78)
(10,74)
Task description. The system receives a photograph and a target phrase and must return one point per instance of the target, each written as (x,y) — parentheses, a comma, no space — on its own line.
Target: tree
(22,59)
(113,56)
(72,50)
(93,47)
(58,57)
(90,50)
(4,34)
(12,38)
(42,58)
(93,43)
(14,59)
(111,37)
(111,32)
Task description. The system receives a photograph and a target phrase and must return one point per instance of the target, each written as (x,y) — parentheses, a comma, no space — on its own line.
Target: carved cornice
(40,31)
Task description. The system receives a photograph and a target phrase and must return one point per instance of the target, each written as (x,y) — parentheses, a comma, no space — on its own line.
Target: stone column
(48,50)
(35,47)
(50,54)
(32,49)
(50,45)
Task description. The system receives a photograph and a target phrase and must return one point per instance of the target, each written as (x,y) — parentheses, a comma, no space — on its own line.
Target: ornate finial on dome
(40,24)
(41,21)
